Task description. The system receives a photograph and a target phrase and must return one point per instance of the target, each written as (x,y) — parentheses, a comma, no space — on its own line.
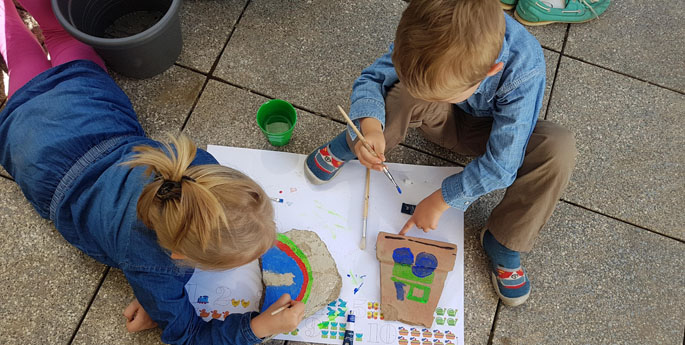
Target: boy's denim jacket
(512,97)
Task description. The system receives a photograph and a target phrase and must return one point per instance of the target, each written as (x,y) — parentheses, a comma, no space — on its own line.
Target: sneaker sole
(525,22)
(313,179)
(511,302)
(506,7)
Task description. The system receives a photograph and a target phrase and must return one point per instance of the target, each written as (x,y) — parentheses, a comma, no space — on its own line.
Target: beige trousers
(528,203)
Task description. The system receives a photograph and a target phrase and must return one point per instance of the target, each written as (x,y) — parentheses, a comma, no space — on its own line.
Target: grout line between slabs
(208,75)
(623,74)
(90,303)
(622,220)
(556,70)
(494,322)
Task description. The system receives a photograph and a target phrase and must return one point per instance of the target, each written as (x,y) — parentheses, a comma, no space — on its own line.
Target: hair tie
(171,189)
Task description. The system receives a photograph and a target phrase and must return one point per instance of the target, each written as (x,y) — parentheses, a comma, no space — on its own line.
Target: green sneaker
(538,12)
(507,4)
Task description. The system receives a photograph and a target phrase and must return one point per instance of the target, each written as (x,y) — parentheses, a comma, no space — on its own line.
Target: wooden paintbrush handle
(359,134)
(366,193)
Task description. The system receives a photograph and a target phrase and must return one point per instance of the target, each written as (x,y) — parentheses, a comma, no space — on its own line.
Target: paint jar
(276,118)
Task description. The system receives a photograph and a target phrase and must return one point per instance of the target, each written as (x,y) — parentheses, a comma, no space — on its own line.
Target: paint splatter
(357,281)
(289,203)
(293,189)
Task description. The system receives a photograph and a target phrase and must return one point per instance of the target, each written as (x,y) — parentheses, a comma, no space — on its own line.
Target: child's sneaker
(540,12)
(325,162)
(507,4)
(508,276)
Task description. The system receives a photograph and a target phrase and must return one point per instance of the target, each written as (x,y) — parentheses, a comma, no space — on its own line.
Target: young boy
(472,80)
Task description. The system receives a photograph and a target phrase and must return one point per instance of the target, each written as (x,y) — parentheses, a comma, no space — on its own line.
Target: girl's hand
(373,133)
(427,213)
(265,324)
(137,318)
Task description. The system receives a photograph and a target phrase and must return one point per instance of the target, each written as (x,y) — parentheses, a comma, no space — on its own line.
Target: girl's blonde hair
(215,216)
(444,47)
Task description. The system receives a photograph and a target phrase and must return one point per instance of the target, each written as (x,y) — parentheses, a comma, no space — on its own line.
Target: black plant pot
(140,55)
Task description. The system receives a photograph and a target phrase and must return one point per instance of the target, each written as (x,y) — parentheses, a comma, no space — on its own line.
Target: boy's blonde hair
(444,47)
(214,215)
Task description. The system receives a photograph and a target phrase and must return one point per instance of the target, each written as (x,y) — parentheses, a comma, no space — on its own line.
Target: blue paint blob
(403,256)
(277,261)
(399,287)
(425,265)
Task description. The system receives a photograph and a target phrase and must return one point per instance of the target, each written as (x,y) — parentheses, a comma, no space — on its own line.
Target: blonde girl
(72,142)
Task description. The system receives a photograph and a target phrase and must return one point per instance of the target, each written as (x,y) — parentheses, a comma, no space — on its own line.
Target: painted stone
(300,265)
(413,272)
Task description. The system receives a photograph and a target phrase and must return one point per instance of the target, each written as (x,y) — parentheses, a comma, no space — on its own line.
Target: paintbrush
(368,147)
(280,309)
(362,244)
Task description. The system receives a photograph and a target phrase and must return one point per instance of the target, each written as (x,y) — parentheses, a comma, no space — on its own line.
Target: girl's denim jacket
(512,97)
(110,232)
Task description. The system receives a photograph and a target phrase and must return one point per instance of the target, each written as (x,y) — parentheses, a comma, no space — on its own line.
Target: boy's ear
(495,69)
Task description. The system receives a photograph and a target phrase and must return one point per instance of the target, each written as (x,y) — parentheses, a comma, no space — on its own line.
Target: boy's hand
(373,133)
(137,318)
(427,213)
(265,324)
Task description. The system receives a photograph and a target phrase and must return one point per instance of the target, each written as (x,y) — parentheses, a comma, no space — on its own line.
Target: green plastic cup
(276,118)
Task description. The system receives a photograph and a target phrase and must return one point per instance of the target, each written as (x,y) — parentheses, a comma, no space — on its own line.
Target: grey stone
(225,115)
(308,52)
(105,322)
(639,38)
(163,101)
(47,283)
(630,137)
(326,281)
(205,26)
(596,280)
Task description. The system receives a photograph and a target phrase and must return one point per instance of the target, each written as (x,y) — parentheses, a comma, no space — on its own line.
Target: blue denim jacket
(63,137)
(512,97)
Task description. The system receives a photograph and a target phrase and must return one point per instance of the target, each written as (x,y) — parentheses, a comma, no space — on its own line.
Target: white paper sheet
(334,211)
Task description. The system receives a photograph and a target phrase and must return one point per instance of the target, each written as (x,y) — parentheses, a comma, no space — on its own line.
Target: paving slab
(105,323)
(550,36)
(308,52)
(205,26)
(4,173)
(47,283)
(596,280)
(639,38)
(630,137)
(226,115)
(163,101)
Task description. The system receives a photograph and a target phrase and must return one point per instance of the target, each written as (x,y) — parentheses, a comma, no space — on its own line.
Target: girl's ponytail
(214,215)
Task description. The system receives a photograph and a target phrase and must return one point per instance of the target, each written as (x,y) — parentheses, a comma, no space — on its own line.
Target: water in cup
(277,124)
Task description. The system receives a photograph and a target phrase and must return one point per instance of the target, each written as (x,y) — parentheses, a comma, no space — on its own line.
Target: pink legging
(23,54)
